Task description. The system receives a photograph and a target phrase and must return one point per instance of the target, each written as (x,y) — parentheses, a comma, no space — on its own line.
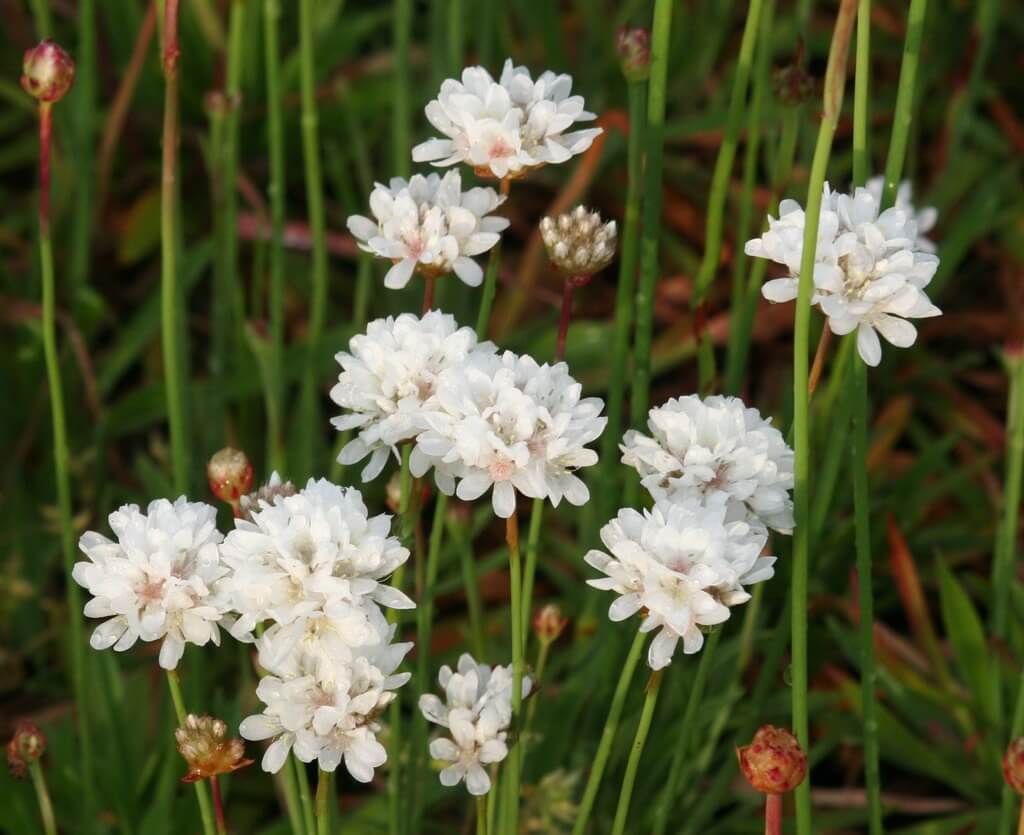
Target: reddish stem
(428,293)
(773,814)
(218,805)
(819,359)
(171,47)
(45,136)
(563,321)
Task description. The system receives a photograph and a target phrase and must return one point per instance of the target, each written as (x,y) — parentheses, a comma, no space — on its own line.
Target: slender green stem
(515,756)
(611,727)
(305,796)
(719,191)
(456,36)
(538,677)
(651,229)
(43,798)
(401,35)
(490,285)
(861,91)
(293,806)
(317,222)
(835,82)
(636,752)
(41,15)
(323,800)
(202,795)
(532,549)
(481,815)
(467,561)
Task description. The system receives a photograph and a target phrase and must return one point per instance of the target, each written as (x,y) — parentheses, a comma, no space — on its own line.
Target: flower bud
(1013,765)
(793,85)
(634,48)
(47,72)
(774,763)
(230,475)
(268,494)
(578,242)
(548,623)
(201,741)
(26,747)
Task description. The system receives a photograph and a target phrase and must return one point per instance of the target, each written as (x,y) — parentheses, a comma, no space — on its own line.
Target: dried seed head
(269,493)
(201,741)
(578,242)
(47,72)
(26,747)
(634,48)
(793,85)
(774,763)
(230,475)
(1013,765)
(548,623)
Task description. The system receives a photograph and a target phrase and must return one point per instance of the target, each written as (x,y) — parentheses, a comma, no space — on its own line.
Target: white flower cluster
(503,128)
(871,268)
(720,475)
(477,711)
(430,224)
(479,419)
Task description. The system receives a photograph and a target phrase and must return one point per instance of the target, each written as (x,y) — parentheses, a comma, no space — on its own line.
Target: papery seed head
(47,72)
(634,48)
(548,623)
(579,243)
(1013,765)
(207,752)
(26,747)
(230,475)
(268,493)
(774,763)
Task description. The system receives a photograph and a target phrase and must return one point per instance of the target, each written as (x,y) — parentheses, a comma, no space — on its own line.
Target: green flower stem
(719,192)
(532,548)
(43,797)
(305,796)
(481,815)
(323,801)
(85,112)
(636,752)
(835,82)
(292,804)
(202,795)
(315,204)
(401,35)
(515,755)
(467,560)
(490,285)
(611,727)
(654,137)
(538,676)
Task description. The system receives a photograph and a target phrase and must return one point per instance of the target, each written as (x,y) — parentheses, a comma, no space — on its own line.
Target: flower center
(501,469)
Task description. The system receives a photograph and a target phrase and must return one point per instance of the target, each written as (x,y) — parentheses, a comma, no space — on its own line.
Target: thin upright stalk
(651,230)
(170,294)
(323,799)
(292,803)
(43,798)
(835,82)
(611,727)
(428,293)
(276,194)
(481,815)
(516,605)
(773,814)
(636,752)
(305,796)
(532,551)
(317,222)
(538,677)
(401,148)
(490,285)
(202,796)
(719,192)
(218,806)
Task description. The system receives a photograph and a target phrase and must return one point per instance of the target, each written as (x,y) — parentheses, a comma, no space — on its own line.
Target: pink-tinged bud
(634,48)
(230,475)
(47,72)
(26,747)
(203,742)
(548,623)
(774,763)
(1013,765)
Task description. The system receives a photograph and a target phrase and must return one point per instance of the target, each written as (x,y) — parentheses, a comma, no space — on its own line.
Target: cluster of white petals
(389,378)
(157,579)
(503,128)
(429,224)
(924,219)
(715,450)
(477,710)
(871,268)
(683,563)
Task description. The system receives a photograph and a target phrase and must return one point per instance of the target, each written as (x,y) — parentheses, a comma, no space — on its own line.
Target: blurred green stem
(514,761)
(43,797)
(719,192)
(469,581)
(315,204)
(611,727)
(651,230)
(481,815)
(323,799)
(305,796)
(490,286)
(532,548)
(636,752)
(903,114)
(293,806)
(202,795)
(401,21)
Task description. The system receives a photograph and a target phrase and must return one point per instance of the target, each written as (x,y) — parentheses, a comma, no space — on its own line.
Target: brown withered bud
(230,475)
(47,72)
(202,742)
(548,623)
(774,763)
(26,747)
(269,493)
(634,48)
(1013,765)
(793,85)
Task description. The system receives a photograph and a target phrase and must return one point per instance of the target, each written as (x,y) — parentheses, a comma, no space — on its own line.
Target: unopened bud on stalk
(578,242)
(548,623)
(1013,765)
(201,741)
(26,747)
(47,72)
(634,48)
(230,475)
(793,85)
(774,763)
(268,494)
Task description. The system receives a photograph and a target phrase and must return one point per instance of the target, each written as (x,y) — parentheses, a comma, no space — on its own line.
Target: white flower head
(477,711)
(870,269)
(504,128)
(156,580)
(389,377)
(924,219)
(330,720)
(715,450)
(511,424)
(431,225)
(682,563)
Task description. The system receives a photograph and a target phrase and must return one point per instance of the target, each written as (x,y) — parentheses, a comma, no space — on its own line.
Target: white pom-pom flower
(715,450)
(684,565)
(156,581)
(504,128)
(429,224)
(477,711)
(389,378)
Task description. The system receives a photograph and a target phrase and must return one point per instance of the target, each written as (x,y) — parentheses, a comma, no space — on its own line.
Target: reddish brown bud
(1013,765)
(774,763)
(548,623)
(792,85)
(634,48)
(47,72)
(26,747)
(201,741)
(230,475)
